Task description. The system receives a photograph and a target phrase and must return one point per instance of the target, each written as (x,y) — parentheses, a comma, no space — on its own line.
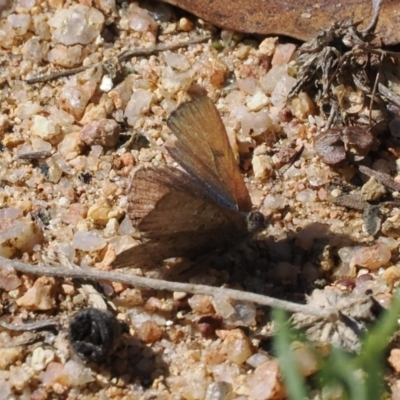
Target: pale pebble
(264,383)
(41,357)
(21,236)
(10,355)
(372,257)
(77,24)
(39,296)
(88,241)
(66,56)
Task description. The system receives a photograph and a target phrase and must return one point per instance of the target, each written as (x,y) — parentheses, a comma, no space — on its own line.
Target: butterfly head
(256,221)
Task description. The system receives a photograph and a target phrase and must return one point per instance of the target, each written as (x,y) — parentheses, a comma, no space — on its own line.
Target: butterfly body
(191,212)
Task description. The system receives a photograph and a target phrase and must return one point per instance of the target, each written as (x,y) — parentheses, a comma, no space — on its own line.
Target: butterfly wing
(202,148)
(177,217)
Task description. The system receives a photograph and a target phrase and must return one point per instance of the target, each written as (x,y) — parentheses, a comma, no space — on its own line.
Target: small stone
(127,159)
(305,358)
(72,374)
(40,296)
(373,190)
(8,279)
(33,49)
(236,345)
(19,23)
(71,146)
(20,377)
(303,106)
(41,27)
(177,61)
(126,227)
(7,34)
(391,275)
(107,6)
(21,235)
(140,19)
(104,132)
(372,257)
(111,228)
(99,213)
(77,24)
(262,166)
(76,374)
(201,304)
(138,105)
(218,391)
(267,46)
(45,128)
(10,355)
(41,357)
(52,374)
(258,101)
(66,56)
(272,77)
(185,24)
(149,332)
(74,98)
(121,94)
(283,54)
(265,383)
(257,359)
(54,172)
(88,241)
(281,90)
(130,298)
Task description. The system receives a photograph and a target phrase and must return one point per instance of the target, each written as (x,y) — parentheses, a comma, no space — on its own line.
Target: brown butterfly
(205,207)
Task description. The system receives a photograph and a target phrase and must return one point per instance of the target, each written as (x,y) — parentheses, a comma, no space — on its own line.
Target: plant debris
(335,146)
(94,334)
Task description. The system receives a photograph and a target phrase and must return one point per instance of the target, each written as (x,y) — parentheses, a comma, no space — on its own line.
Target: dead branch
(157,284)
(121,57)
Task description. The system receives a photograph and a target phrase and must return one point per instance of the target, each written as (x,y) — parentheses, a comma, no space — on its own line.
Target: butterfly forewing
(202,148)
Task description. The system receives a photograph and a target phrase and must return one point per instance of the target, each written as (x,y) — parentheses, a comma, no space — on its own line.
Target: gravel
(69,208)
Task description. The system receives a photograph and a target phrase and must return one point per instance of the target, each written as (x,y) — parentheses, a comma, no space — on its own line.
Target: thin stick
(121,57)
(371,103)
(157,284)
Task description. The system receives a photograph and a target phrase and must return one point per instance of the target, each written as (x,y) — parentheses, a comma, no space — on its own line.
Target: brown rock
(104,132)
(149,332)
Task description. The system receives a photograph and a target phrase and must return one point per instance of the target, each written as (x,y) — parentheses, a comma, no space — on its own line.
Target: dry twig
(121,57)
(157,284)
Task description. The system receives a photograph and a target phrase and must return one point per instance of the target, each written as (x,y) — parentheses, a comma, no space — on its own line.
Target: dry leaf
(300,19)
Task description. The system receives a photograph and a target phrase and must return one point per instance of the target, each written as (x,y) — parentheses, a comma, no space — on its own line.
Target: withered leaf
(299,19)
(337,145)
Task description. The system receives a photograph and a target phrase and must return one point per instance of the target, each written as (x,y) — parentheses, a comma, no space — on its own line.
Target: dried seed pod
(351,100)
(94,334)
(329,146)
